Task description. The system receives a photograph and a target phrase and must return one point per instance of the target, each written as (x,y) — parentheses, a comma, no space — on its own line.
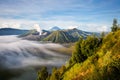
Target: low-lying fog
(16,53)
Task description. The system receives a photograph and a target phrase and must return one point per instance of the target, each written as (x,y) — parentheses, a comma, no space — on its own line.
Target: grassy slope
(104,65)
(66,36)
(59,37)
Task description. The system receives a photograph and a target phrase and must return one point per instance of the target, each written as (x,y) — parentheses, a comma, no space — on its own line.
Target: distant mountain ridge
(57,36)
(12,31)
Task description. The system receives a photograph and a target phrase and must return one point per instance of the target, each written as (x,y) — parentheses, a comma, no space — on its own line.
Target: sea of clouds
(18,53)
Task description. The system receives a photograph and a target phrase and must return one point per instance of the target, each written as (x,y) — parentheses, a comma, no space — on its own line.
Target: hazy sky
(88,15)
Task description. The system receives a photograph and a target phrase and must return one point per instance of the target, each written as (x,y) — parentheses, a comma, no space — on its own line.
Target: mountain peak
(75,29)
(59,37)
(55,28)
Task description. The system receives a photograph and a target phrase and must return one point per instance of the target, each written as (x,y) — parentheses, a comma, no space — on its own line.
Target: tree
(77,55)
(43,74)
(89,46)
(102,35)
(84,49)
(54,69)
(115,26)
(55,75)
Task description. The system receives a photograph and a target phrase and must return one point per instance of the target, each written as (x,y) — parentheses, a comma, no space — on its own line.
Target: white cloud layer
(19,53)
(47,24)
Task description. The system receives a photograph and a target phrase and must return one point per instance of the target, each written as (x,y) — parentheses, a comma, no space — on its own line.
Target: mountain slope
(59,37)
(11,31)
(34,35)
(69,35)
(29,33)
(93,59)
(104,64)
(77,33)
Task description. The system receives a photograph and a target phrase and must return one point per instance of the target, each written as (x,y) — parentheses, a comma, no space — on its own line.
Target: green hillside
(59,37)
(103,64)
(66,36)
(93,59)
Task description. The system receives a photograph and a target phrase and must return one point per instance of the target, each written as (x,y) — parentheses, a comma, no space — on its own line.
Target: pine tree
(42,74)
(115,26)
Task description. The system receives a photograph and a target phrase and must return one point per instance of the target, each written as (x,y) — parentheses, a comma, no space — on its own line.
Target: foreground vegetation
(93,59)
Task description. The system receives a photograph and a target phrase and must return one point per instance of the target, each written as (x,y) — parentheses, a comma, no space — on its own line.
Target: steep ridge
(68,35)
(59,37)
(104,64)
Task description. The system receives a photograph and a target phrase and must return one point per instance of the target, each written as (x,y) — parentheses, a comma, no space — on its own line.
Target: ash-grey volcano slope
(34,35)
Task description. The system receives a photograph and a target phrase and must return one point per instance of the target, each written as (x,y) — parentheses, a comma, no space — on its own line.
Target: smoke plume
(37,27)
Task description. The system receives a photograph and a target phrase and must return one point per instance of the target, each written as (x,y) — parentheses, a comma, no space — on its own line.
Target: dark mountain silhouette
(11,31)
